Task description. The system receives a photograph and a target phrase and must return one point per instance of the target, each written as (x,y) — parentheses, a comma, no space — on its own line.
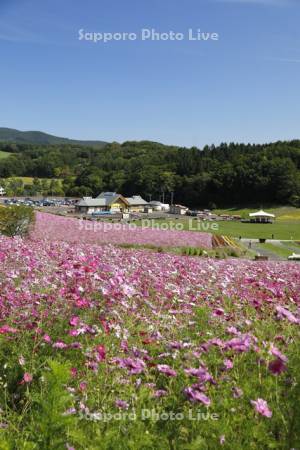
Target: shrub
(16,220)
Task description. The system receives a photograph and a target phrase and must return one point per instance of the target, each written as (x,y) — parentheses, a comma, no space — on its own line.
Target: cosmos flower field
(103,347)
(72,230)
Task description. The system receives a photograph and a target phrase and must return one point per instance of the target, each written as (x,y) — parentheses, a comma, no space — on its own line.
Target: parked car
(192,213)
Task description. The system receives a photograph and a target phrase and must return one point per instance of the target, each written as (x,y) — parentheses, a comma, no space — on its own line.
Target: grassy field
(279,250)
(281,230)
(282,213)
(4,155)
(285,230)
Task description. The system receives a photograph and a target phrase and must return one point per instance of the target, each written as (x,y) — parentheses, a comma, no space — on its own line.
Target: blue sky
(245,87)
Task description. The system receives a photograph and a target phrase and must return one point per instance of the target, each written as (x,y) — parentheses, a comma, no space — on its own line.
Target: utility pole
(172,198)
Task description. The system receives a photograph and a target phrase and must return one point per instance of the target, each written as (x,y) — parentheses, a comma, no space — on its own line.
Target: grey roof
(179,206)
(92,202)
(109,197)
(155,203)
(136,200)
(104,199)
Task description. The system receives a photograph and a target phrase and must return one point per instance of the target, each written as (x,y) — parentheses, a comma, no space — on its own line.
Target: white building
(110,203)
(159,206)
(137,203)
(178,209)
(2,191)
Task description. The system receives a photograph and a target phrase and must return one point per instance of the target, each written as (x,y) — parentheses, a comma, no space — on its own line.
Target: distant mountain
(38,137)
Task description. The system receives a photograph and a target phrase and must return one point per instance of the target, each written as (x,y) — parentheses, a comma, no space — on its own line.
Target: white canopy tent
(261,217)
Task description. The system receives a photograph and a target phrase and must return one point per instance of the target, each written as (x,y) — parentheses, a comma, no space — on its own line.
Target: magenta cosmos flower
(195,395)
(261,406)
(121,404)
(167,370)
(200,373)
(135,366)
(277,366)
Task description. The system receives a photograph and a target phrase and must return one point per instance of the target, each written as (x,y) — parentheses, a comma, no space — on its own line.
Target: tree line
(228,174)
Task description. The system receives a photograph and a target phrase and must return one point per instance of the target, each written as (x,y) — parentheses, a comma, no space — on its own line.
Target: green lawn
(283,252)
(282,213)
(282,230)
(4,155)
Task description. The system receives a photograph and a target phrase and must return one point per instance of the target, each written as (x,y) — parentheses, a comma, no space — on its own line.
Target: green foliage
(225,175)
(192,251)
(36,416)
(50,424)
(16,220)
(285,229)
(4,155)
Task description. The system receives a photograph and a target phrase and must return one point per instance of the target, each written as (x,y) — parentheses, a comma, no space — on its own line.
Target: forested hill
(37,137)
(223,175)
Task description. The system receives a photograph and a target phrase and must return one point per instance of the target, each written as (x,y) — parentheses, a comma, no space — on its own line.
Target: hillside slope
(38,137)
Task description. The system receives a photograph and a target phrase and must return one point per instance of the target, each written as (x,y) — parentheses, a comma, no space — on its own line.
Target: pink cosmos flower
(160,393)
(240,344)
(261,406)
(284,313)
(128,290)
(122,404)
(74,372)
(83,386)
(75,332)
(134,365)
(195,395)
(228,364)
(276,352)
(47,338)
(7,329)
(100,353)
(74,321)
(124,346)
(59,344)
(167,370)
(218,312)
(232,330)
(202,374)
(27,378)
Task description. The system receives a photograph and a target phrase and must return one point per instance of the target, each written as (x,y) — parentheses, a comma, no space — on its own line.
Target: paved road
(263,251)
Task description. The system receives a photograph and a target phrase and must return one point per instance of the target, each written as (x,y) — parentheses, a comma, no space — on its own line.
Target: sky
(243,87)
